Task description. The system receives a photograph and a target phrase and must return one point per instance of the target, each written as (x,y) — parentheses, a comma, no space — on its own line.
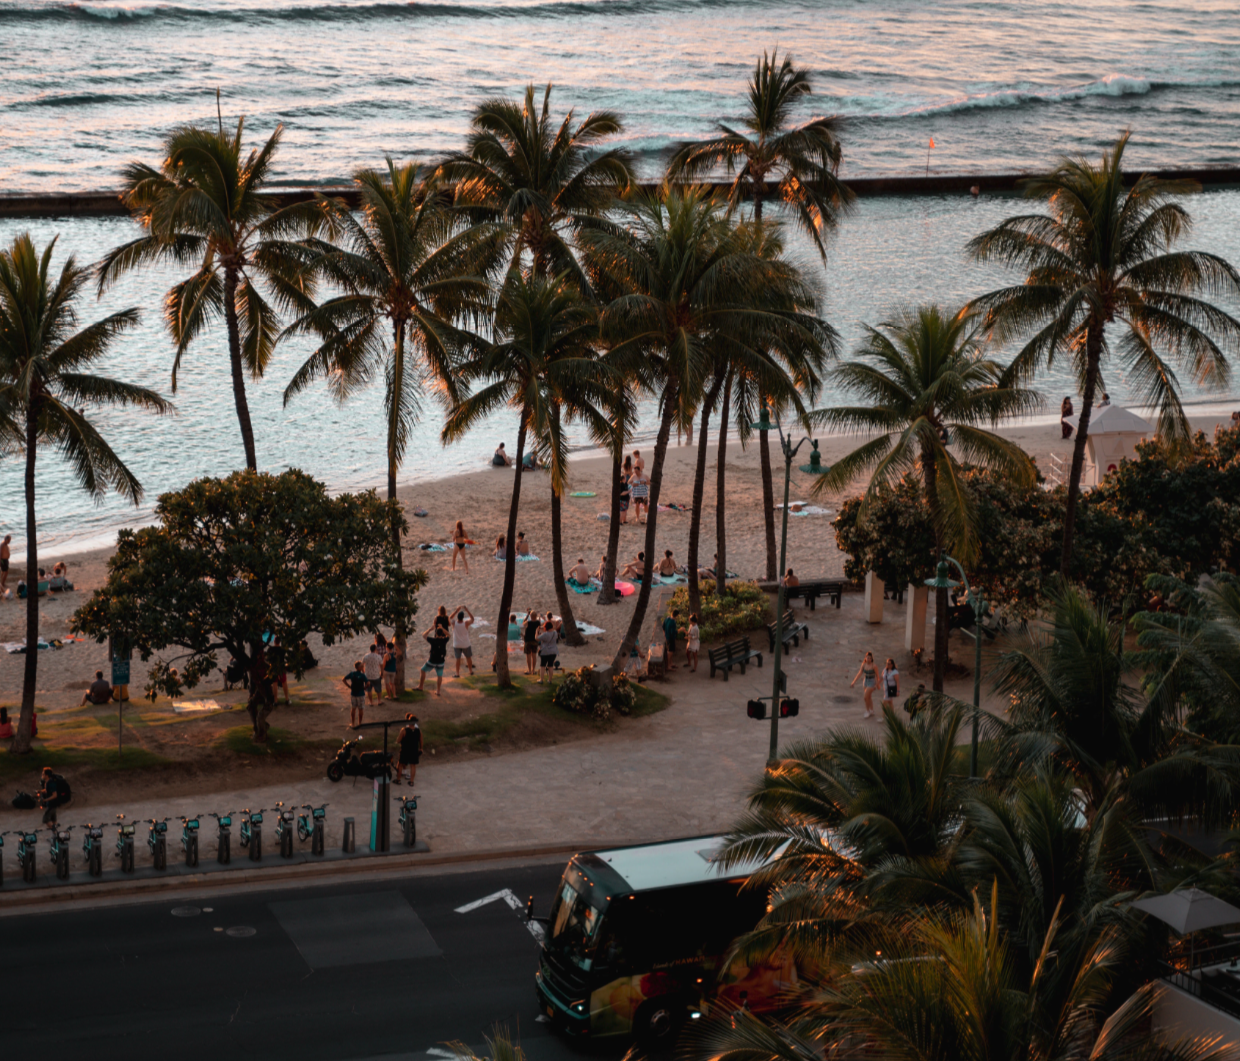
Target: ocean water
(999,86)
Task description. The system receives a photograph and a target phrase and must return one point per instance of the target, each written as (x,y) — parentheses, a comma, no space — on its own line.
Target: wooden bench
(793,631)
(811,590)
(732,654)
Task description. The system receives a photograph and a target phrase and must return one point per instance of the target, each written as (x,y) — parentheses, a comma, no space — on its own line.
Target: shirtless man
(580,573)
(667,566)
(5,553)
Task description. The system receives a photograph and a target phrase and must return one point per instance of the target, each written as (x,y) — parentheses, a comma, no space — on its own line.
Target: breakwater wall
(107,203)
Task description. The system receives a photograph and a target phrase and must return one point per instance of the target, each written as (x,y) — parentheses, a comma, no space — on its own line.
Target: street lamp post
(943,580)
(814,467)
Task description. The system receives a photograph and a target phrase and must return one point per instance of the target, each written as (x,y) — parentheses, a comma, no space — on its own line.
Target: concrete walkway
(682,772)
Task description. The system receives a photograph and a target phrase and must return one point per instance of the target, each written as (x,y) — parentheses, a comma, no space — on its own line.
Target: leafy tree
(1103,255)
(234,563)
(685,287)
(45,383)
(207,203)
(768,158)
(409,278)
(925,385)
(544,347)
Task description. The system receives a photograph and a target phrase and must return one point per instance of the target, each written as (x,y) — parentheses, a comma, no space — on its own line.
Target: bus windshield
(575,921)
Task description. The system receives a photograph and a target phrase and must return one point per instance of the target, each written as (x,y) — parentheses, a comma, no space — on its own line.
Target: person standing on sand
(638,463)
(437,638)
(529,642)
(626,474)
(870,673)
(693,642)
(389,668)
(459,540)
(547,651)
(640,492)
(890,684)
(372,667)
(1065,410)
(461,644)
(357,683)
(5,554)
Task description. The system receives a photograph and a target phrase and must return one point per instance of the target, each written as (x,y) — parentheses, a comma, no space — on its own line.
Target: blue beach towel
(593,586)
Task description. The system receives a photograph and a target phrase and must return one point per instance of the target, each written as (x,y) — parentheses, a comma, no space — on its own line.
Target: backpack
(24,801)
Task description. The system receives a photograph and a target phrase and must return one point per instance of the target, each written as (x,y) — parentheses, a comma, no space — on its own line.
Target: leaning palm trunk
(238,372)
(721,537)
(21,740)
(1093,351)
(695,514)
(569,625)
(656,481)
(510,570)
(768,506)
(398,381)
(607,594)
(940,595)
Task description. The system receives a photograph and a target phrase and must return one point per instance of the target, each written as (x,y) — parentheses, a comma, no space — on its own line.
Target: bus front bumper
(571,1017)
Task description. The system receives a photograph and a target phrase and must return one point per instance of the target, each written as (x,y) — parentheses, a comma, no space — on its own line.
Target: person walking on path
(409,741)
(461,644)
(547,651)
(459,541)
(356,681)
(437,637)
(693,643)
(372,667)
(669,634)
(870,673)
(890,684)
(529,642)
(5,555)
(390,658)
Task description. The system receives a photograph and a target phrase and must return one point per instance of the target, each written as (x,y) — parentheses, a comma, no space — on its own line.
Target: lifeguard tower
(1113,436)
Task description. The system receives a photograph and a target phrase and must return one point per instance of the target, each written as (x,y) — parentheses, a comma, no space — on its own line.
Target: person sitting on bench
(790,580)
(100,692)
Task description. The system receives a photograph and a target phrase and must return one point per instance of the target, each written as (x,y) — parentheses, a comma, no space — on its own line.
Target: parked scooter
(350,764)
(223,853)
(189,839)
(125,832)
(157,841)
(58,850)
(92,848)
(284,829)
(311,826)
(252,833)
(409,818)
(26,842)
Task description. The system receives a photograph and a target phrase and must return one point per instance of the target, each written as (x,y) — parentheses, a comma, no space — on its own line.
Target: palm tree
(207,203)
(801,162)
(408,278)
(542,184)
(1103,255)
(544,347)
(44,385)
(691,290)
(924,381)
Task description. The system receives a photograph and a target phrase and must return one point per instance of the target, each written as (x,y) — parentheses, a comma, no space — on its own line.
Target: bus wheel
(658,1021)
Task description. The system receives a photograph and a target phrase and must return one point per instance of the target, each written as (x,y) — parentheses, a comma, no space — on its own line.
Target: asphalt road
(347,971)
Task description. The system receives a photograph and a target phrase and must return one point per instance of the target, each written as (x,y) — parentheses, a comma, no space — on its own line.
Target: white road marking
(535,927)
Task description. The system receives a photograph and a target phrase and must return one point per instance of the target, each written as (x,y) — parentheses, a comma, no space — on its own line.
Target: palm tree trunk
(768,506)
(721,536)
(940,595)
(1093,352)
(607,594)
(695,515)
(238,373)
(400,633)
(21,739)
(656,481)
(502,678)
(569,626)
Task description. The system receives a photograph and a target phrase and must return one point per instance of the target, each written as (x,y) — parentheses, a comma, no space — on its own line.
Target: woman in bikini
(870,672)
(459,538)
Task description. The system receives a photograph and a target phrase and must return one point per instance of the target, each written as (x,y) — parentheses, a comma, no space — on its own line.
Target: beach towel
(590,587)
(671,580)
(20,646)
(433,548)
(586,629)
(582,493)
(420,512)
(812,510)
(195,707)
(603,517)
(525,559)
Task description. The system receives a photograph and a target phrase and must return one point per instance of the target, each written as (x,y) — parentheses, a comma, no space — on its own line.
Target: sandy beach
(481,500)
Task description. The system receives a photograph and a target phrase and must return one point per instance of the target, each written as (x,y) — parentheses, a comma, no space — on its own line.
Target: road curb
(32,900)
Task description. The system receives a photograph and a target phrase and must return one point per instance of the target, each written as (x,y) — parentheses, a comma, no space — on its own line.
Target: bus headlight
(579,1007)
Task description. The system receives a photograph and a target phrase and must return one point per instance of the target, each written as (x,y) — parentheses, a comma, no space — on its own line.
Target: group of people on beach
(372,679)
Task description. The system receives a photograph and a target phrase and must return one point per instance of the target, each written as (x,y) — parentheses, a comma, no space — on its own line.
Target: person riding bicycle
(54,793)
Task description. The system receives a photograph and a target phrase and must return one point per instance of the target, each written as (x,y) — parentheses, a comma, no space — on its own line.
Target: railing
(1199,989)
(1057,473)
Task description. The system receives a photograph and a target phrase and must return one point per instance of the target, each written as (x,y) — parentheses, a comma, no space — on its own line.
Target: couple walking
(888,681)
(634,488)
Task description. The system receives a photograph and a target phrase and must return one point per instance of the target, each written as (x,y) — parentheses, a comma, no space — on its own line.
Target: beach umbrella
(1189,910)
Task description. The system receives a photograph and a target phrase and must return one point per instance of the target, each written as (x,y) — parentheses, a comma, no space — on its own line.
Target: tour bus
(637,936)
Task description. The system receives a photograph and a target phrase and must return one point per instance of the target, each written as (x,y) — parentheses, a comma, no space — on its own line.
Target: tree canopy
(235,564)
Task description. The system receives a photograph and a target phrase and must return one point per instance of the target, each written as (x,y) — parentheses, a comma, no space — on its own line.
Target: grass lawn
(105,760)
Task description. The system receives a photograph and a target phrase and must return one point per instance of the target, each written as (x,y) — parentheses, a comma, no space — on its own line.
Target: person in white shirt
(372,667)
(461,645)
(890,683)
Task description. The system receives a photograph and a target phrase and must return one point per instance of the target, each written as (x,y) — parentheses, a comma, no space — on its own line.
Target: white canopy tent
(1113,436)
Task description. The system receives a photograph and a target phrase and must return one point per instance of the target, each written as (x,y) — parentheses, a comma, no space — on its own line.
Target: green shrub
(742,608)
(578,693)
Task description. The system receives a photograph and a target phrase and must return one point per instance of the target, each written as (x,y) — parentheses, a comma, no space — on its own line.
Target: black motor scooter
(350,764)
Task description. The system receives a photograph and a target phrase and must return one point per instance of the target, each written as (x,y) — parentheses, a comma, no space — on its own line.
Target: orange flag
(932,141)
